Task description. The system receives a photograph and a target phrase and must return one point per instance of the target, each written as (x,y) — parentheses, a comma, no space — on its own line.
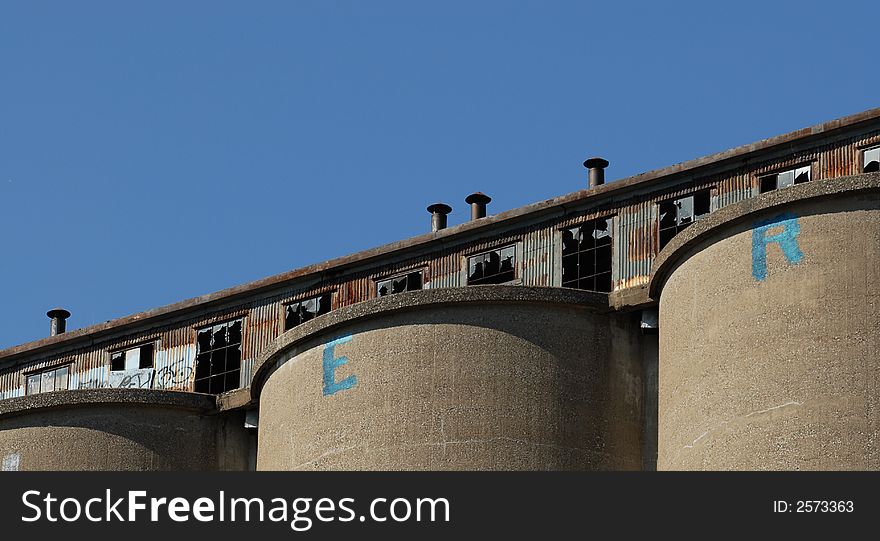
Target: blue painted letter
(331,363)
(786,239)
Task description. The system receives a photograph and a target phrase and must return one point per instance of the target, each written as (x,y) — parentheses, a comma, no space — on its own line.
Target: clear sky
(157,151)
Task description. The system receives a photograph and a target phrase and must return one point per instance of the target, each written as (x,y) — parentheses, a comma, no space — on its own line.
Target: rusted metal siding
(11,383)
(635,247)
(732,188)
(842,160)
(539,249)
(635,244)
(264,322)
(444,271)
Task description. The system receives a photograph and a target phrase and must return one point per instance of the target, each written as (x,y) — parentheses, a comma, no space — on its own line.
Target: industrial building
(719,313)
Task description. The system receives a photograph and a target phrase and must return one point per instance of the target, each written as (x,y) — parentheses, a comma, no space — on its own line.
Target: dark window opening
(871,160)
(218,358)
(492,267)
(399,284)
(54,379)
(586,256)
(299,312)
(768,184)
(677,214)
(784,179)
(132,359)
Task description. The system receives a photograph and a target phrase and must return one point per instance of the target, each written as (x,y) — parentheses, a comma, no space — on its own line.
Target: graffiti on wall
(168,378)
(145,378)
(331,363)
(141,378)
(785,239)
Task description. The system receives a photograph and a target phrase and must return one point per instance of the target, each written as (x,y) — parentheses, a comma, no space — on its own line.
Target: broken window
(299,312)
(871,160)
(132,359)
(399,284)
(218,358)
(493,267)
(586,256)
(784,179)
(676,214)
(54,379)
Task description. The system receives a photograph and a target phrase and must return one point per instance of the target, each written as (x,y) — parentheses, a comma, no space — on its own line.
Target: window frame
(27,375)
(862,155)
(300,299)
(708,190)
(517,269)
(405,274)
(793,169)
(614,227)
(198,353)
(154,346)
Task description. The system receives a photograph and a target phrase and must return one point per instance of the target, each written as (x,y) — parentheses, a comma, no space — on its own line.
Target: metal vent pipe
(596,166)
(59,320)
(478,202)
(438,216)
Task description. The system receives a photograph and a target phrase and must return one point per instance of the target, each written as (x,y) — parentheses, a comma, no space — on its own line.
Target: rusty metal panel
(635,245)
(837,161)
(540,247)
(842,159)
(90,368)
(444,271)
(578,218)
(263,324)
(175,359)
(687,187)
(351,291)
(788,162)
(11,383)
(732,188)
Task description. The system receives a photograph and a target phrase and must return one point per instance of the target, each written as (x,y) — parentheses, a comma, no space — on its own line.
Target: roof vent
(478,202)
(597,171)
(438,216)
(59,320)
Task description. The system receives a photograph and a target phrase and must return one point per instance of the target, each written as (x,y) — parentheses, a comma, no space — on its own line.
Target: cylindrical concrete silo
(769,330)
(120,429)
(486,377)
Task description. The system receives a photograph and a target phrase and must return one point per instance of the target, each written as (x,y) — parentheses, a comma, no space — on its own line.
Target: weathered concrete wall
(112,429)
(769,335)
(650,362)
(469,379)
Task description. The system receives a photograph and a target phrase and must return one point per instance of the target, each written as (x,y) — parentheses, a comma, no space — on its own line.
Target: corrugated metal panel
(573,219)
(247,371)
(634,245)
(792,160)
(539,248)
(444,271)
(839,160)
(176,359)
(732,188)
(11,384)
(264,323)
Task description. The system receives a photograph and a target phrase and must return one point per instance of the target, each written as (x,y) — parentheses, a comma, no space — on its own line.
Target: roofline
(533,210)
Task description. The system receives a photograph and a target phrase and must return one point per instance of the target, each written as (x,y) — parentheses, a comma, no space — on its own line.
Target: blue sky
(155,152)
